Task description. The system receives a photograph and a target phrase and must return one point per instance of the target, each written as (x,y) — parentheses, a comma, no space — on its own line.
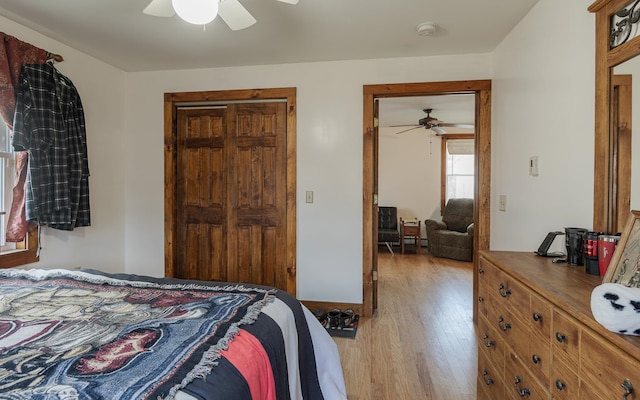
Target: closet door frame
(171,103)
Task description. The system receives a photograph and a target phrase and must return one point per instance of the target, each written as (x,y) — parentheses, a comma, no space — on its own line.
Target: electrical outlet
(503,202)
(309,198)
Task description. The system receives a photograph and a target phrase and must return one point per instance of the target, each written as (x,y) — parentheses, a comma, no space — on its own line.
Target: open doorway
(425,156)
(482,92)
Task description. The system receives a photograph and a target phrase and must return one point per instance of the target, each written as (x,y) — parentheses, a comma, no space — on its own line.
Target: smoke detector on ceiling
(426,29)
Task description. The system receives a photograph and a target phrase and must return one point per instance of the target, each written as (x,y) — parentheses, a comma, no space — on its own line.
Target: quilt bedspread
(87,336)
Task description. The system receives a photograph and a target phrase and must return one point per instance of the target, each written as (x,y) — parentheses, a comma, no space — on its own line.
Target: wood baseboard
(357,308)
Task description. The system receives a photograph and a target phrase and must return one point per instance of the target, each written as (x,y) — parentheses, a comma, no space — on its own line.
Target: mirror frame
(606,59)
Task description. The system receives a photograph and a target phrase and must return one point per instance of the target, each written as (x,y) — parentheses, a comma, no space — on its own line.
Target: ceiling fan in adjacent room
(433,124)
(201,12)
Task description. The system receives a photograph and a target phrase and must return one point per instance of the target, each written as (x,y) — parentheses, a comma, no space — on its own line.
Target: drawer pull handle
(488,381)
(628,388)
(480,270)
(521,392)
(560,385)
(537,317)
(503,292)
(536,359)
(480,299)
(505,327)
(560,337)
(488,343)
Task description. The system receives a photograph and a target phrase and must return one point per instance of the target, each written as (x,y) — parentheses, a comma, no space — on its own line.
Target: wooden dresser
(537,338)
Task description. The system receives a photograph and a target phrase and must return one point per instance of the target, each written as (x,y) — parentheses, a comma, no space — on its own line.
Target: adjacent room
(425,158)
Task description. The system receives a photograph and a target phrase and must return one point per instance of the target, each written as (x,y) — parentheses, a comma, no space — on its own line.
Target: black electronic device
(543,250)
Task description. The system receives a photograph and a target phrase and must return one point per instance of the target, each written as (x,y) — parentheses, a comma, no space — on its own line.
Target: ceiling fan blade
(468,126)
(235,15)
(407,130)
(289,1)
(159,8)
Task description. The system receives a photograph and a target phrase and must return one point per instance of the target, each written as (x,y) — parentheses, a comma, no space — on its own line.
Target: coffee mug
(606,246)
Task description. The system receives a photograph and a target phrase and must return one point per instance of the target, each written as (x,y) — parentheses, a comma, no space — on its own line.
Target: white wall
(543,105)
(409,173)
(329,156)
(101,88)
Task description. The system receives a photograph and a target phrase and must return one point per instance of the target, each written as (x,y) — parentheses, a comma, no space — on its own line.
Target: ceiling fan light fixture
(438,130)
(197,12)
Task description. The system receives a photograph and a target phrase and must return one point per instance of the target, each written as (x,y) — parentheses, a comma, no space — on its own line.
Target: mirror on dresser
(630,71)
(617,45)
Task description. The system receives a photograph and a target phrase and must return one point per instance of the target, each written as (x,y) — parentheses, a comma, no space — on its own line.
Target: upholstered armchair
(453,236)
(388,231)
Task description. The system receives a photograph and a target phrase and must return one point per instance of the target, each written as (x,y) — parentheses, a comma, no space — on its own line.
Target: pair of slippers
(335,318)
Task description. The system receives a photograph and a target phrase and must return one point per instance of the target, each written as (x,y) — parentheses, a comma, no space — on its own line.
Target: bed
(84,334)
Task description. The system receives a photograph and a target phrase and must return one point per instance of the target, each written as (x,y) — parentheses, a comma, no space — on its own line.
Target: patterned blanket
(83,336)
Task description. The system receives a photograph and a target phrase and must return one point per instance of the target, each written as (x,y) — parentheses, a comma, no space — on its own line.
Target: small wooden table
(410,229)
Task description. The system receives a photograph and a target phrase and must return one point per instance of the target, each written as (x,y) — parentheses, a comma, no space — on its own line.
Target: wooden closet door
(201,194)
(256,193)
(232,194)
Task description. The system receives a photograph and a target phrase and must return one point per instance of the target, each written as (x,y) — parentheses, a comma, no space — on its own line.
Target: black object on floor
(348,331)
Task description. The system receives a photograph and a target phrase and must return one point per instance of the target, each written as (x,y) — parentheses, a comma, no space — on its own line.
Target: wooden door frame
(621,149)
(482,195)
(171,103)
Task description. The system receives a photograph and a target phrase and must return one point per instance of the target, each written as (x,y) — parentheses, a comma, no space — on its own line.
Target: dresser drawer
(487,276)
(539,358)
(483,298)
(607,370)
(516,296)
(509,293)
(565,339)
(540,316)
(490,345)
(519,382)
(483,393)
(490,384)
(488,273)
(490,277)
(513,330)
(587,392)
(564,382)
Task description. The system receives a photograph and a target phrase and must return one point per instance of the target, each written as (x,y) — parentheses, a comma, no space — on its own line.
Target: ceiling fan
(433,123)
(231,11)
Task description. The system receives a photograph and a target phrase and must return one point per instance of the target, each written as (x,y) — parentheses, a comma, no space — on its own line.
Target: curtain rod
(55,57)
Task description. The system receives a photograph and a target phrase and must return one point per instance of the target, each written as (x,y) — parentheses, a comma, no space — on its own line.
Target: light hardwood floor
(421,342)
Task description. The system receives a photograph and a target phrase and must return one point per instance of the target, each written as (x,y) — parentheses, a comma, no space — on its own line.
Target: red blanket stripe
(245,352)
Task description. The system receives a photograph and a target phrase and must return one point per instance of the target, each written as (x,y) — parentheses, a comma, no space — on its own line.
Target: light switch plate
(533,165)
(503,202)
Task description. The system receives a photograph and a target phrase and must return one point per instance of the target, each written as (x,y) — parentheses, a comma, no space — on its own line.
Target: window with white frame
(7,171)
(12,254)
(460,168)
